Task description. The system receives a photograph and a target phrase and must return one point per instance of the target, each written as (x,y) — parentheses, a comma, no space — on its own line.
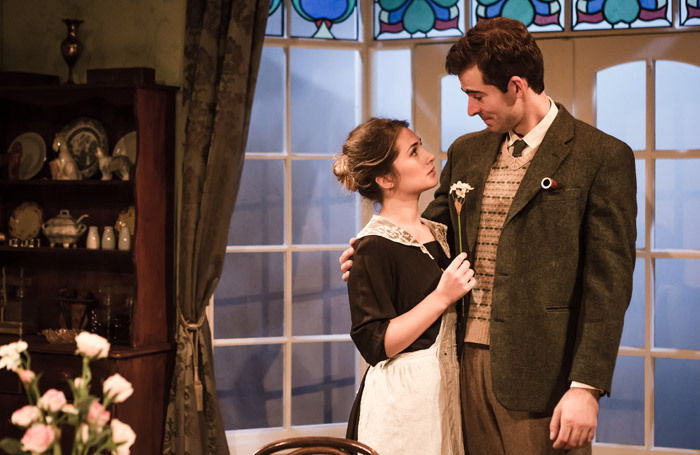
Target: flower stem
(461,250)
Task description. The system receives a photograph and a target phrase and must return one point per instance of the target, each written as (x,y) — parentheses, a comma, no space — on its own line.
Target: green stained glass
(396,19)
(537,15)
(324,19)
(609,14)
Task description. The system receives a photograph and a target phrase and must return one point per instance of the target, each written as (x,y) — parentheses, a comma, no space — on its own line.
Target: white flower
(460,190)
(70,409)
(78,383)
(84,432)
(25,416)
(10,355)
(123,435)
(117,388)
(91,345)
(52,400)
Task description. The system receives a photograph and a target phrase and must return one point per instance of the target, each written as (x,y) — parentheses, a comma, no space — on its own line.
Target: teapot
(64,229)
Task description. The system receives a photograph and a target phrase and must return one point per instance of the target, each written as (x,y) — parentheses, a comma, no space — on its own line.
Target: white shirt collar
(534,138)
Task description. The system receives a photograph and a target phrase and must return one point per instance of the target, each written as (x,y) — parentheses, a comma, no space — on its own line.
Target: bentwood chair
(316,445)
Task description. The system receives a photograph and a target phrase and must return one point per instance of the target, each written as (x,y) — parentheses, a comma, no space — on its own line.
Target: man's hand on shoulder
(345,261)
(575,418)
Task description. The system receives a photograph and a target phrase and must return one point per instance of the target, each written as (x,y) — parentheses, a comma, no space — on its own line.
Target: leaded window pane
(323,382)
(677,403)
(267,125)
(621,419)
(275,19)
(324,97)
(249,385)
(676,304)
(677,204)
(609,14)
(319,295)
(621,102)
(260,203)
(537,15)
(690,12)
(392,88)
(249,300)
(322,211)
(324,19)
(677,105)
(396,19)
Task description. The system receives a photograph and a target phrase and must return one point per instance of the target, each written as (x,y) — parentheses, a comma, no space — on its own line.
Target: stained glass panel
(397,19)
(324,19)
(690,12)
(538,15)
(609,14)
(275,19)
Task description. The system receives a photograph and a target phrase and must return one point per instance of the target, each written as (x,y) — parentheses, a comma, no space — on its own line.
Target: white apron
(410,402)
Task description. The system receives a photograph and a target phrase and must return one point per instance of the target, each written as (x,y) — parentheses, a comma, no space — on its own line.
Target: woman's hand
(457,280)
(346,261)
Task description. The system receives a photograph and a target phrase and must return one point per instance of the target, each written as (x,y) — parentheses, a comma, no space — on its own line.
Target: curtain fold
(223,45)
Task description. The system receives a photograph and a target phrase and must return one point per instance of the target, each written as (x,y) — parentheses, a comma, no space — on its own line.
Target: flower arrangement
(46,415)
(459,191)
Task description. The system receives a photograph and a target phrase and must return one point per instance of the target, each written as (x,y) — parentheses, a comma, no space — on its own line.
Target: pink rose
(123,435)
(52,400)
(78,383)
(38,438)
(97,415)
(91,345)
(117,388)
(25,416)
(26,376)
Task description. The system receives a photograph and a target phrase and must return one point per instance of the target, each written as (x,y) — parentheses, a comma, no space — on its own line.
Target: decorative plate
(25,222)
(126,146)
(83,135)
(33,154)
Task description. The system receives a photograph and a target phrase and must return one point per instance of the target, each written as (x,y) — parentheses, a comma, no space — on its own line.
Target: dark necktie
(518,147)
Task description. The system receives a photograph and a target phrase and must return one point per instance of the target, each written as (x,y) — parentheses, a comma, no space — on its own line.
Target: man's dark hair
(501,48)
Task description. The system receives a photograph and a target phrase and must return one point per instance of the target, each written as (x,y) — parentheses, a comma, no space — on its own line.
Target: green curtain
(223,45)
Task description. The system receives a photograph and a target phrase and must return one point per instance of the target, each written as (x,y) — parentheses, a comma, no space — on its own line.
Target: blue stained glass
(594,6)
(320,19)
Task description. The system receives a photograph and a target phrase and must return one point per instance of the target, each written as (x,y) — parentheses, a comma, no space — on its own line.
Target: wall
(115,33)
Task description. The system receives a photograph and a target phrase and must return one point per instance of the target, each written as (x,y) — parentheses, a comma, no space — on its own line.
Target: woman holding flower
(402,291)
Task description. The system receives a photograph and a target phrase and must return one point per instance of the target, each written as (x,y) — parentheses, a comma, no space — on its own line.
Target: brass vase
(71,47)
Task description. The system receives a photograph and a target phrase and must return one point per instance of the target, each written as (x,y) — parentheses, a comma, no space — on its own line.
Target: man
(550,226)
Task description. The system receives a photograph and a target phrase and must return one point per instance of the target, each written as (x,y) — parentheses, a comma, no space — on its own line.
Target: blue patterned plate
(83,135)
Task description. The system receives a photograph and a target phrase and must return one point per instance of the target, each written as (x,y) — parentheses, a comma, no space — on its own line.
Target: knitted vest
(502,184)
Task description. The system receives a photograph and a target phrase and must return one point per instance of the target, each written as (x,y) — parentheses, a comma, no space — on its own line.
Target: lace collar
(383,227)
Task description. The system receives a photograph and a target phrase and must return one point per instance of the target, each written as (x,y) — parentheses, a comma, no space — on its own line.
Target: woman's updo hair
(368,153)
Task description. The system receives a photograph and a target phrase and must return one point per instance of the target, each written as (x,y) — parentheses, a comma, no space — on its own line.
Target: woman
(401,300)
